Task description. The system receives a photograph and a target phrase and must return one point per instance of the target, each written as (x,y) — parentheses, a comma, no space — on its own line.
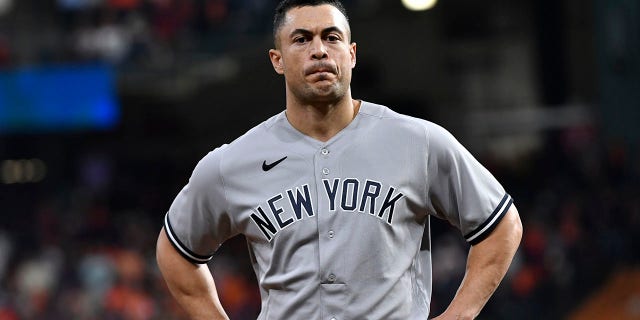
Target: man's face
(314,54)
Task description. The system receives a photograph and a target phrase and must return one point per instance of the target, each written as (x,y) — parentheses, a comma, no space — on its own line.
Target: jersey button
(331,234)
(324,151)
(325,171)
(331,278)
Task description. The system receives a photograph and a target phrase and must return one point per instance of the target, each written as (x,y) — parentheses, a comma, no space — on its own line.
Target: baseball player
(334,197)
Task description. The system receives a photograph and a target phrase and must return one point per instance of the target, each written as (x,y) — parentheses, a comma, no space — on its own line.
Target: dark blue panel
(58,98)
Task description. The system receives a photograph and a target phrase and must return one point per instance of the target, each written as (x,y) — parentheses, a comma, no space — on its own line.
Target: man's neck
(322,121)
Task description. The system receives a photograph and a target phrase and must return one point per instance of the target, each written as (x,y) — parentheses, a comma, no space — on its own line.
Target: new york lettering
(347,195)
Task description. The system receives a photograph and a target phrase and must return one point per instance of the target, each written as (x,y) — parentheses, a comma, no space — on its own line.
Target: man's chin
(322,91)
(327,93)
(323,96)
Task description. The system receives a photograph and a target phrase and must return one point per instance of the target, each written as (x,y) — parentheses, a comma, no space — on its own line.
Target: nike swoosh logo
(267,167)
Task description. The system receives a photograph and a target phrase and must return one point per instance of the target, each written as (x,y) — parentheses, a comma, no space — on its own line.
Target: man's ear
(276,60)
(352,51)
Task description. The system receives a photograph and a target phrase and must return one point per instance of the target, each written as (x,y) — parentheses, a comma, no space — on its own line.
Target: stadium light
(22,171)
(419,5)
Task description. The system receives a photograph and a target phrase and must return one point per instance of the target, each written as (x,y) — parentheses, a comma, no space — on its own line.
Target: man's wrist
(454,312)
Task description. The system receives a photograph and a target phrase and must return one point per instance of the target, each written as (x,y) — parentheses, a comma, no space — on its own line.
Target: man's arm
(192,285)
(487,264)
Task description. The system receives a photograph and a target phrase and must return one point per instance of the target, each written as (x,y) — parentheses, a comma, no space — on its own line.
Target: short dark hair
(285,5)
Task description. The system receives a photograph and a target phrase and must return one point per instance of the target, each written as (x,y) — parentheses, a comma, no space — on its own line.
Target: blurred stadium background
(107,105)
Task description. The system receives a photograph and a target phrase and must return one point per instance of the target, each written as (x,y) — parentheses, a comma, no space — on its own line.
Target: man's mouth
(321,69)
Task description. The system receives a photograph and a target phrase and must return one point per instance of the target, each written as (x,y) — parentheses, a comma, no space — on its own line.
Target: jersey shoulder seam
(264,126)
(427,177)
(421,125)
(224,190)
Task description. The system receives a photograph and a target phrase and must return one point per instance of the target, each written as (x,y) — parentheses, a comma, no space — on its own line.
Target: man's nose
(318,49)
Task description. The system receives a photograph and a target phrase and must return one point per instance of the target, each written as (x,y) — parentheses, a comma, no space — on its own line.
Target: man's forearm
(191,285)
(487,264)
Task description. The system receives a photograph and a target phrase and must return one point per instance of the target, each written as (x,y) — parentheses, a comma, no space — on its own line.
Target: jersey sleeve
(460,189)
(197,222)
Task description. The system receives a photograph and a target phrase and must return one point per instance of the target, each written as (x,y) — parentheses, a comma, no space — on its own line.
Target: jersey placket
(333,289)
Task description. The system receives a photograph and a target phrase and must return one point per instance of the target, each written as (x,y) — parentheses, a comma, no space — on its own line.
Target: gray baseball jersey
(337,229)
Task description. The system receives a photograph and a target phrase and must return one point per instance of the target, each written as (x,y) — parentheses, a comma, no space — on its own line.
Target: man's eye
(333,38)
(300,40)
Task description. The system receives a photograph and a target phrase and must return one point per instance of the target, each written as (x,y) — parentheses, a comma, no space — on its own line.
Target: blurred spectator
(170,17)
(36,281)
(124,4)
(128,298)
(107,40)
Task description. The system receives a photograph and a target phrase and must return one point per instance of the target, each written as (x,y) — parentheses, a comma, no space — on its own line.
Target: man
(334,197)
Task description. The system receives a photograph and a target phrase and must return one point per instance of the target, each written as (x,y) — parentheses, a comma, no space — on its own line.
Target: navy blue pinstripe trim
(485,229)
(180,247)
